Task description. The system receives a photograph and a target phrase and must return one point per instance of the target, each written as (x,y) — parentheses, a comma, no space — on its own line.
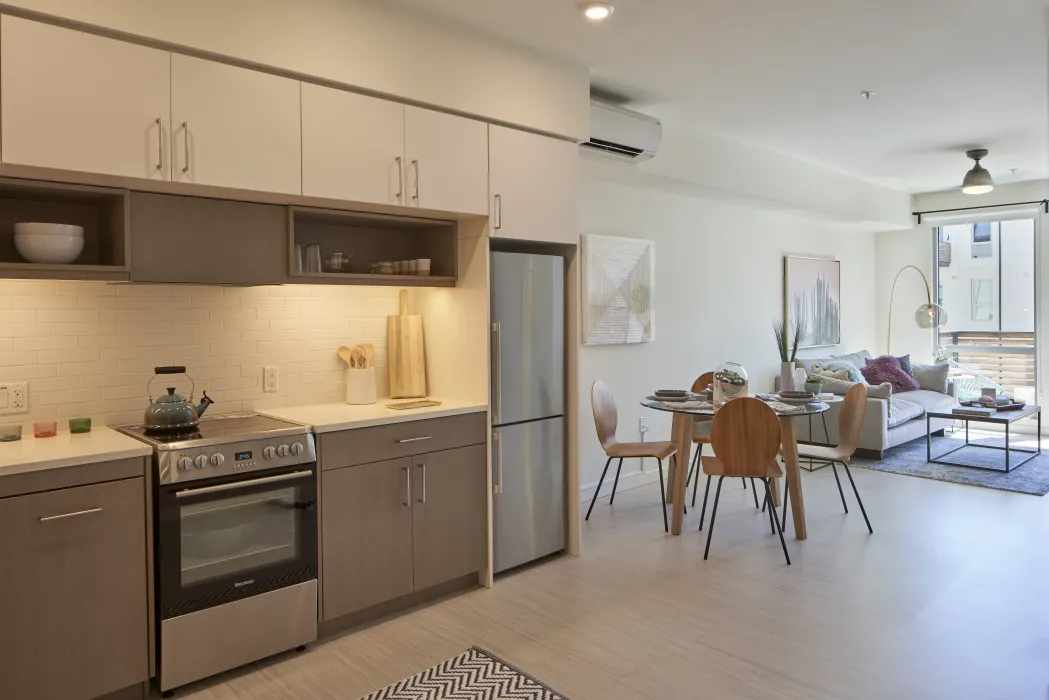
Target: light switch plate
(269,379)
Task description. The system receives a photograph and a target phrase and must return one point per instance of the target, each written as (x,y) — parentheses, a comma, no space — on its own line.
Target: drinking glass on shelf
(297,260)
(313,258)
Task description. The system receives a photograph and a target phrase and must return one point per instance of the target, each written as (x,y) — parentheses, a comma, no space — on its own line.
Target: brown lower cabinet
(73,587)
(403,525)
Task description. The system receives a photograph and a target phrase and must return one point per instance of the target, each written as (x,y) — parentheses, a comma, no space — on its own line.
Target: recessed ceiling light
(597,11)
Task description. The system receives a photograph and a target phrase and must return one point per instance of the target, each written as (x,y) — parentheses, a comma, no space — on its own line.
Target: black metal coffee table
(1006,418)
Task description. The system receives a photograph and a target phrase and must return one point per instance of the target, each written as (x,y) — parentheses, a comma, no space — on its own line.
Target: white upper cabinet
(446,162)
(352,146)
(535,187)
(76,101)
(234,127)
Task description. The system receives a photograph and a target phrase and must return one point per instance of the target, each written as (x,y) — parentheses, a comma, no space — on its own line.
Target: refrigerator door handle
(497,463)
(497,373)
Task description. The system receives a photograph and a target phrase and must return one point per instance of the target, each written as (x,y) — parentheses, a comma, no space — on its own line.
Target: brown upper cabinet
(535,187)
(76,101)
(234,127)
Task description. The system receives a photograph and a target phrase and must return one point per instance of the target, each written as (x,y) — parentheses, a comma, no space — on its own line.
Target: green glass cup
(80,425)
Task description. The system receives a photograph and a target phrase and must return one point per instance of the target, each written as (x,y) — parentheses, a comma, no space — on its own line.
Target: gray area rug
(1031,478)
(474,675)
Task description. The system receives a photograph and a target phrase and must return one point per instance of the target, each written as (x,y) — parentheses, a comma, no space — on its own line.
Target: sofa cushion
(856,359)
(887,369)
(901,411)
(932,377)
(905,363)
(852,372)
(929,400)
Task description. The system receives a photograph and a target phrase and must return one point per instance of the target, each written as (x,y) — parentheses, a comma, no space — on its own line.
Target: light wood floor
(948,599)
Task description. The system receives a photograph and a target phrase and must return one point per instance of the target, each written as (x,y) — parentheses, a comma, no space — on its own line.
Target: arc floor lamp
(928,315)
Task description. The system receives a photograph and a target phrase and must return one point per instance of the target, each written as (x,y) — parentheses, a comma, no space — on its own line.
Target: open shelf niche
(103,213)
(373,238)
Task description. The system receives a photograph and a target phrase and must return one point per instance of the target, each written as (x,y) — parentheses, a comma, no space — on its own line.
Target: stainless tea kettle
(172,412)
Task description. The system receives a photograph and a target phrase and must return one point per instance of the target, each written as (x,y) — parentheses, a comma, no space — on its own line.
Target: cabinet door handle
(400,178)
(498,211)
(418,439)
(185,135)
(70,515)
(497,466)
(408,487)
(415,164)
(160,144)
(423,498)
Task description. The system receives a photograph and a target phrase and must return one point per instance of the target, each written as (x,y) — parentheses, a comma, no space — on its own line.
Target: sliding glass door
(985,279)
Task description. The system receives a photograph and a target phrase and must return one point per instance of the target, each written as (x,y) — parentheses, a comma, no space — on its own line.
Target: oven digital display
(241,456)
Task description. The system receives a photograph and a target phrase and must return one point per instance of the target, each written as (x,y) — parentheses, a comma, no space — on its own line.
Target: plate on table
(670,393)
(672,399)
(797,400)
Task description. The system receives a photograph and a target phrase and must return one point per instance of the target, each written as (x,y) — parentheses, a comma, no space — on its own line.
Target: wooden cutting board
(407,353)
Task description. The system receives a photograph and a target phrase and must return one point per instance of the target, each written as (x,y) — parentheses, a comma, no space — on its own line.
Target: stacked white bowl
(55,244)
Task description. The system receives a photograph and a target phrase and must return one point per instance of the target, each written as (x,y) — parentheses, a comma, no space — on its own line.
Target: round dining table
(685,414)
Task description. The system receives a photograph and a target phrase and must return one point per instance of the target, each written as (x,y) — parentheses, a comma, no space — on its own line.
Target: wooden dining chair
(606,418)
(850,425)
(700,437)
(745,435)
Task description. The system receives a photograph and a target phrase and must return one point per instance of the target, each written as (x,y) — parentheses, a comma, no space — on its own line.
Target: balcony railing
(1006,359)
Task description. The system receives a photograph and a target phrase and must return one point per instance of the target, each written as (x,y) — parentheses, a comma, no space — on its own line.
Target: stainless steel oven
(233,538)
(235,543)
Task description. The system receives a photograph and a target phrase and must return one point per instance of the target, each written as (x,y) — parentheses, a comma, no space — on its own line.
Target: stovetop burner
(215,430)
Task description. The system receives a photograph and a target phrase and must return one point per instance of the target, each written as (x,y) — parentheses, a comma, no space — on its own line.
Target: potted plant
(787,342)
(814,384)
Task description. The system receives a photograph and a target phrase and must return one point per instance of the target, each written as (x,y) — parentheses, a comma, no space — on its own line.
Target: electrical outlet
(14,397)
(642,425)
(269,378)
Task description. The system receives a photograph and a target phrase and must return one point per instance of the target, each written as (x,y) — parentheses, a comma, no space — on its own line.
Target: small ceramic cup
(80,425)
(422,267)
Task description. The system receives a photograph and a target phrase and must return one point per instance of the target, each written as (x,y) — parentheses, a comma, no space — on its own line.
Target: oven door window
(237,534)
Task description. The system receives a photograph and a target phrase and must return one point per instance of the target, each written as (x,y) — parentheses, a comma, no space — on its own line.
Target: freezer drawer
(527,337)
(529,499)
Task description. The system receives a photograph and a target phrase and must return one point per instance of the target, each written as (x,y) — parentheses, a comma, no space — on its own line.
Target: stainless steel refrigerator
(528,423)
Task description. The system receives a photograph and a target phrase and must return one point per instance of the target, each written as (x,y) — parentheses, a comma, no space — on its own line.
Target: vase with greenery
(787,341)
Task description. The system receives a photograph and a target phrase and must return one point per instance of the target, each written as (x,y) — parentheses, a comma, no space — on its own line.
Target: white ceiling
(947,75)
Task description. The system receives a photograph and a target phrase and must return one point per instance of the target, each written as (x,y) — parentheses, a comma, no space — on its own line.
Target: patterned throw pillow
(853,373)
(887,369)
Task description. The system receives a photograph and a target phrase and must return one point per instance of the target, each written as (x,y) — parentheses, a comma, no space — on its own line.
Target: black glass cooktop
(217,427)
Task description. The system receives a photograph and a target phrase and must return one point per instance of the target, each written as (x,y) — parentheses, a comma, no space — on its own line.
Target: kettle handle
(170,369)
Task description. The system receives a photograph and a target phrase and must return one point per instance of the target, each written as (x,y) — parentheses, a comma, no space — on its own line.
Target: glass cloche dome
(730,381)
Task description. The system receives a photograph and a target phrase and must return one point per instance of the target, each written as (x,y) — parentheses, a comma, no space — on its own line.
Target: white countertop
(65,450)
(330,417)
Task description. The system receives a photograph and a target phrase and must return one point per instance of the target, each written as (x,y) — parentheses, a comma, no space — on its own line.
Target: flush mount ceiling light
(977,180)
(596,11)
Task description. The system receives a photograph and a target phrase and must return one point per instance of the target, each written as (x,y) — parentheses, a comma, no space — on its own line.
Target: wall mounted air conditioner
(621,134)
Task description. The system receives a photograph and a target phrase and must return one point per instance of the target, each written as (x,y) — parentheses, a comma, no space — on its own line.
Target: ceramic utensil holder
(360,386)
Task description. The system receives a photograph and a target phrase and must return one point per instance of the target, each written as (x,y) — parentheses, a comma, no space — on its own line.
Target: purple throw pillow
(887,369)
(905,363)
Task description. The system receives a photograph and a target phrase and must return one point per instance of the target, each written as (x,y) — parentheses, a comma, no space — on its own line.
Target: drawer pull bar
(418,439)
(70,515)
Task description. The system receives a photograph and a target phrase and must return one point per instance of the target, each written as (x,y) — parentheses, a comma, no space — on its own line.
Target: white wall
(719,289)
(370,45)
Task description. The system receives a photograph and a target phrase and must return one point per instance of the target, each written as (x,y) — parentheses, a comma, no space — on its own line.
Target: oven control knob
(297,448)
(269,453)
(201,461)
(284,450)
(217,460)
(184,463)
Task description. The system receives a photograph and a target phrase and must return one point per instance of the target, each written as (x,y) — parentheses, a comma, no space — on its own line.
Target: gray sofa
(887,423)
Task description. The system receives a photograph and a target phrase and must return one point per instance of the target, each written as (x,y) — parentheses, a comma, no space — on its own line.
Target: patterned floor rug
(910,459)
(474,675)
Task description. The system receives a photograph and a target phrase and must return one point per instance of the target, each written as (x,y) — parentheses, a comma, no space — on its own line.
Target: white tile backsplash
(89,348)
